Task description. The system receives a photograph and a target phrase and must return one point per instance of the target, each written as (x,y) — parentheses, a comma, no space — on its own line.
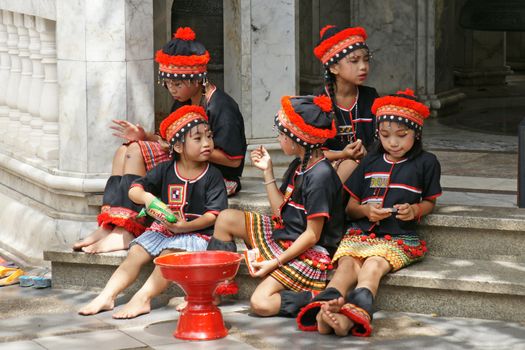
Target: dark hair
(202,80)
(416,150)
(293,165)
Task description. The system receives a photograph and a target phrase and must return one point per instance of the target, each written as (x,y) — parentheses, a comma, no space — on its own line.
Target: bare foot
(135,307)
(322,326)
(181,306)
(118,239)
(100,303)
(95,236)
(333,306)
(331,317)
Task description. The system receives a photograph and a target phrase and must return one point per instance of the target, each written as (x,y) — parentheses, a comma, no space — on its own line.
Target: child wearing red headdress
(297,243)
(193,190)
(345,57)
(183,71)
(391,189)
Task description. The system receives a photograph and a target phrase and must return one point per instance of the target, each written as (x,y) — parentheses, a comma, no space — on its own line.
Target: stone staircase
(475,266)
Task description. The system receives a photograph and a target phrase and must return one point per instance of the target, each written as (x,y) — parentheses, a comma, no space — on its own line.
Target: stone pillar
(5,66)
(261,61)
(405,41)
(105,61)
(12,20)
(48,147)
(35,92)
(483,59)
(516,50)
(25,85)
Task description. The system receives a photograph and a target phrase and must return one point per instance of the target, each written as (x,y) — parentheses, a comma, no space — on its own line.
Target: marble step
(456,231)
(442,286)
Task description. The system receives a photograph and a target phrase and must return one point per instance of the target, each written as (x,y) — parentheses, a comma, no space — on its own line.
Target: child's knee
(347,264)
(227,219)
(133,150)
(259,306)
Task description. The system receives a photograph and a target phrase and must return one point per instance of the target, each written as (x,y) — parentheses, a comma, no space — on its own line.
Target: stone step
(455,231)
(442,286)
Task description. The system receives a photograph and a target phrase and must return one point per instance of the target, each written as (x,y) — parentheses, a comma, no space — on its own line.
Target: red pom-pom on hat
(184,33)
(408,92)
(324,102)
(324,29)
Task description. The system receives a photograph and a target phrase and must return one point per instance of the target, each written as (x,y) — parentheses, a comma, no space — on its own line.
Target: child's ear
(334,69)
(177,147)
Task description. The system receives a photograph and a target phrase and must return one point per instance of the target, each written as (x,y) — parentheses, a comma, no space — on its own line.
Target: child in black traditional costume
(298,241)
(182,69)
(345,57)
(192,188)
(392,188)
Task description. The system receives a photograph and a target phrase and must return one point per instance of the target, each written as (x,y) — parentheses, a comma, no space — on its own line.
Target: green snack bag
(158,210)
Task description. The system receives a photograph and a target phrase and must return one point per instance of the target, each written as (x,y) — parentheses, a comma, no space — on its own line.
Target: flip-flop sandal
(12,278)
(39,278)
(7,271)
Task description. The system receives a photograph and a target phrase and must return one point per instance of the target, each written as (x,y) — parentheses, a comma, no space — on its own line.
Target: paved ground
(46,319)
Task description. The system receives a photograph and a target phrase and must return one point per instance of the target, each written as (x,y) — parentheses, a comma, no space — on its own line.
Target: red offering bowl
(198,274)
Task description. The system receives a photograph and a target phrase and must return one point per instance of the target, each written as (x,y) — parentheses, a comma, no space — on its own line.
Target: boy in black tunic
(192,189)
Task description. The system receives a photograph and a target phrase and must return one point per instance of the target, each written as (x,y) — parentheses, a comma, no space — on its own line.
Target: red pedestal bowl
(198,274)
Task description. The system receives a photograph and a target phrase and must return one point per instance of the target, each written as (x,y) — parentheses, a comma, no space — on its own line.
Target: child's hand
(406,212)
(261,158)
(177,227)
(128,131)
(354,150)
(264,267)
(375,213)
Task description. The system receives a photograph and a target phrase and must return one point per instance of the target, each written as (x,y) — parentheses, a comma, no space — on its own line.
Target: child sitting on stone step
(391,189)
(298,242)
(183,71)
(192,188)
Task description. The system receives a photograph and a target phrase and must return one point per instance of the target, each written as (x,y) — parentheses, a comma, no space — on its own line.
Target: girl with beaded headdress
(345,58)
(297,242)
(395,185)
(191,188)
(182,70)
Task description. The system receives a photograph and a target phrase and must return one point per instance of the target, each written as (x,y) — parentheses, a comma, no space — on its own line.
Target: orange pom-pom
(184,33)
(324,102)
(408,92)
(325,28)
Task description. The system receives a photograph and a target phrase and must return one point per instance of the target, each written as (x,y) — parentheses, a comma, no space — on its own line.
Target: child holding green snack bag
(188,188)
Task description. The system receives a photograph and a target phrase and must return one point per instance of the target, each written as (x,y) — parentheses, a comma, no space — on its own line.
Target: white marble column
(23,89)
(35,92)
(105,60)
(48,149)
(12,20)
(261,60)
(5,65)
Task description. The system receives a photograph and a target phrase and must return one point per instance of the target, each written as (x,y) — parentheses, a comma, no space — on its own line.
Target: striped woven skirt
(155,242)
(400,251)
(153,153)
(307,272)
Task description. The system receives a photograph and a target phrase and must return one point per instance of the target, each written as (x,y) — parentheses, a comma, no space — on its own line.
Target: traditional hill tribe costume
(182,58)
(185,58)
(187,198)
(309,192)
(378,180)
(358,122)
